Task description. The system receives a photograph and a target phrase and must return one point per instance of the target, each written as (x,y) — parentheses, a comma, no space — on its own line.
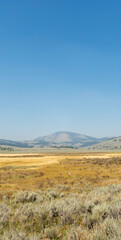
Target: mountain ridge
(64,139)
(67,139)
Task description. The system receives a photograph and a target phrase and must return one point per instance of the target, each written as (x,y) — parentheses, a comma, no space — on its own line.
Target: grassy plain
(66,196)
(36,171)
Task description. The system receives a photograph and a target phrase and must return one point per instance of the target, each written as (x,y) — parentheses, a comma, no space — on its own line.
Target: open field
(68,196)
(36,171)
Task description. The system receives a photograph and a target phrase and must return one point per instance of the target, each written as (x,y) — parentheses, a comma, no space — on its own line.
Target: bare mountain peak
(67,139)
(64,136)
(57,139)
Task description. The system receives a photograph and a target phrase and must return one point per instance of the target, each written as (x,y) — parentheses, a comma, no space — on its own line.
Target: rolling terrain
(63,141)
(67,139)
(113,144)
(56,140)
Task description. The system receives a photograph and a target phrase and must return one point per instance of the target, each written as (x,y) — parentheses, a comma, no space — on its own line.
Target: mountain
(67,139)
(61,139)
(13,143)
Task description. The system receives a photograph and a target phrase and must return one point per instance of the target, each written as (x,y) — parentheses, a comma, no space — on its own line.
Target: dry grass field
(68,196)
(36,171)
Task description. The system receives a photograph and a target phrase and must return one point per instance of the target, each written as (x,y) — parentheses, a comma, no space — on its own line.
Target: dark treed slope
(13,143)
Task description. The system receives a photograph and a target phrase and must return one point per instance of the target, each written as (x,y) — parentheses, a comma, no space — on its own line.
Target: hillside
(66,139)
(113,144)
(10,143)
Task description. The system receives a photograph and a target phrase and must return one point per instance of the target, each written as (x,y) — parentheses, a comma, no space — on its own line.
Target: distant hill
(64,139)
(67,139)
(13,143)
(112,144)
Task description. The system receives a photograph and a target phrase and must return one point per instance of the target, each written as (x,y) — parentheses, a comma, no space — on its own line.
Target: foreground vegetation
(93,214)
(60,196)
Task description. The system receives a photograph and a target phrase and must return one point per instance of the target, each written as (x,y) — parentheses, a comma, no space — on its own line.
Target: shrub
(52,233)
(25,197)
(94,214)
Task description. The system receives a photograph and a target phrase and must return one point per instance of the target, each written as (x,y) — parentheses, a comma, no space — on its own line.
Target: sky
(60,68)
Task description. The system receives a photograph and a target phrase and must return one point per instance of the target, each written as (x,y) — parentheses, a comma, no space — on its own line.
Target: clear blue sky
(60,67)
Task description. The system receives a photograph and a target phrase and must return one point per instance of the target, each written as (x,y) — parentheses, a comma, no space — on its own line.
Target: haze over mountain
(67,139)
(57,139)
(4,142)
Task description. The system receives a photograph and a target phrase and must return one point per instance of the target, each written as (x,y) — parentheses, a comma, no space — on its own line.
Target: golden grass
(35,171)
